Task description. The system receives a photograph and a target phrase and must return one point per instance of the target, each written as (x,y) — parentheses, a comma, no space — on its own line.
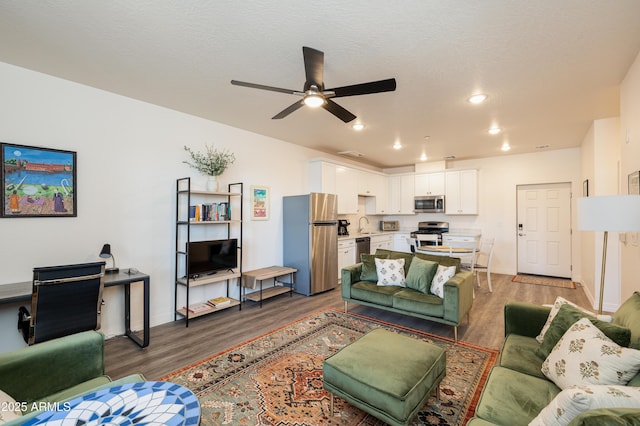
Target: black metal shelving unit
(184,197)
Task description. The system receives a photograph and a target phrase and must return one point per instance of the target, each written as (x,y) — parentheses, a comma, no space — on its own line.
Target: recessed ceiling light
(478,99)
(397,145)
(494,130)
(423,157)
(358,126)
(505,146)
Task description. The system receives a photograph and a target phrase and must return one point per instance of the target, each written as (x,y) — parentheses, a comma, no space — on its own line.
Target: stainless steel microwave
(429,204)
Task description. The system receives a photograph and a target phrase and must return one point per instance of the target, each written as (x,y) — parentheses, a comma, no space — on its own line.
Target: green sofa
(450,309)
(55,371)
(516,390)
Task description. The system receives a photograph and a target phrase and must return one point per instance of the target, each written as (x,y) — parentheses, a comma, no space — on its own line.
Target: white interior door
(544,229)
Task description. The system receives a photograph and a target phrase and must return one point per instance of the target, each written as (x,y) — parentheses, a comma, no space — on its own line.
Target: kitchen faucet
(360,228)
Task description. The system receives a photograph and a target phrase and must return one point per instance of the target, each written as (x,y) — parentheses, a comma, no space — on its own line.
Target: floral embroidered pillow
(443,274)
(584,356)
(390,272)
(571,402)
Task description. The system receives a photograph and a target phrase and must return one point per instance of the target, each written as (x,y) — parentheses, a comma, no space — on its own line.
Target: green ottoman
(388,375)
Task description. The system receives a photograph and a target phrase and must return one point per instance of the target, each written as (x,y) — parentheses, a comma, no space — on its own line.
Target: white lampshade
(614,213)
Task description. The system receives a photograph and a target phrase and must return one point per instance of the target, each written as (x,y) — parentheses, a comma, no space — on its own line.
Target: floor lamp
(616,213)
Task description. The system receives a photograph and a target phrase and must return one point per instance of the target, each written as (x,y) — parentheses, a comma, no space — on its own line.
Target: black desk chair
(66,300)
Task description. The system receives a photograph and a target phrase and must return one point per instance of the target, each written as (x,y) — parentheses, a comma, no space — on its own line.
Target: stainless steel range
(431,228)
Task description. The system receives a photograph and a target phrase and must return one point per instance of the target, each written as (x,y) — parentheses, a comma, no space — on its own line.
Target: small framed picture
(259,202)
(585,188)
(634,183)
(37,182)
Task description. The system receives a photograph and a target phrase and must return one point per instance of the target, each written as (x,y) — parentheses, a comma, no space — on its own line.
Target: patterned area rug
(276,379)
(542,280)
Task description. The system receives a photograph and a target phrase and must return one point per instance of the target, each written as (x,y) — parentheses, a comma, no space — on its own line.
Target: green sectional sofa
(517,391)
(55,371)
(358,286)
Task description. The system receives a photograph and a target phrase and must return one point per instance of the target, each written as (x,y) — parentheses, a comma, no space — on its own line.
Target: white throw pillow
(390,272)
(571,402)
(584,355)
(554,311)
(9,408)
(443,274)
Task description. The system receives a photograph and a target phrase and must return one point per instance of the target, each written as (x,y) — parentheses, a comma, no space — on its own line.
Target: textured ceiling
(550,67)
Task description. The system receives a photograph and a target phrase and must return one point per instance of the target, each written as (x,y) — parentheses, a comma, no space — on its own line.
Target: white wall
(600,164)
(129,155)
(630,161)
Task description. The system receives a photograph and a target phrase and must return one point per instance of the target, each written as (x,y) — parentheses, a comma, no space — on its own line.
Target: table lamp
(105,253)
(616,213)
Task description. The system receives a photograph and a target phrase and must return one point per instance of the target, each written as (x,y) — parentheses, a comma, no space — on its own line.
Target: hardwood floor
(174,346)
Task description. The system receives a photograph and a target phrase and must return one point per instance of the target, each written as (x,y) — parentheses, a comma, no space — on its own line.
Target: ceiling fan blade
(338,111)
(313,67)
(263,87)
(288,110)
(388,85)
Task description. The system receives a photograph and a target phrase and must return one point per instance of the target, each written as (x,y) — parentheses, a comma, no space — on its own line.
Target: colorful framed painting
(37,182)
(259,202)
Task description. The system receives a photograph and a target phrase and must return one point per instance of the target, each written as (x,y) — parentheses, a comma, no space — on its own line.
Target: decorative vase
(212,184)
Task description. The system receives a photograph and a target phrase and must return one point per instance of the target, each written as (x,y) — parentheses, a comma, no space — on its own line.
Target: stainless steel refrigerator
(310,242)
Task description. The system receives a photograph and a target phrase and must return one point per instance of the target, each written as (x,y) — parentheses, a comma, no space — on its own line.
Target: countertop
(369,234)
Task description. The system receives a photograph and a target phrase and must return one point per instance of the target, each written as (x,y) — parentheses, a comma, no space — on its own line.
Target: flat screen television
(209,257)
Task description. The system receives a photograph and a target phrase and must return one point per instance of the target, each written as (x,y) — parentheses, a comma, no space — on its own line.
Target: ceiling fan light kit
(314,95)
(313,99)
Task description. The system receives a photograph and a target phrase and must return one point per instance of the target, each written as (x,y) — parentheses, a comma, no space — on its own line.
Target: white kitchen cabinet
(377,201)
(381,242)
(346,254)
(459,238)
(429,184)
(347,190)
(367,183)
(322,177)
(400,241)
(461,195)
(401,194)
(331,178)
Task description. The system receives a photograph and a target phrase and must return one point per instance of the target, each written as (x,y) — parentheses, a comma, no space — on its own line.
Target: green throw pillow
(368,272)
(566,317)
(421,274)
(628,315)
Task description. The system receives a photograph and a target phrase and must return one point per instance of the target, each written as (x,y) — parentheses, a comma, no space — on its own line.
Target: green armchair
(55,371)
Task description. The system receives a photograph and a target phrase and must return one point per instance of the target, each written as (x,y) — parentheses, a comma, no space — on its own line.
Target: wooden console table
(250,278)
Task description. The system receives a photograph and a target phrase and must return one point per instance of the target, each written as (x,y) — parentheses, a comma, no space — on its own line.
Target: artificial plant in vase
(212,163)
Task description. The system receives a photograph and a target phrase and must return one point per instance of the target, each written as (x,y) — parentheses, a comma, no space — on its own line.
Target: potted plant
(213,163)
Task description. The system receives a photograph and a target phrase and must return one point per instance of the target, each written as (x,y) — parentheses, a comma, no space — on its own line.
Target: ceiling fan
(314,94)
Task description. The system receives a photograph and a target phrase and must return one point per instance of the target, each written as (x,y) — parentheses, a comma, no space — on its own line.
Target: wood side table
(257,276)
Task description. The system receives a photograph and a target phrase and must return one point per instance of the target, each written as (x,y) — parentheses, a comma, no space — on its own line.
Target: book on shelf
(219,301)
(197,308)
(210,212)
